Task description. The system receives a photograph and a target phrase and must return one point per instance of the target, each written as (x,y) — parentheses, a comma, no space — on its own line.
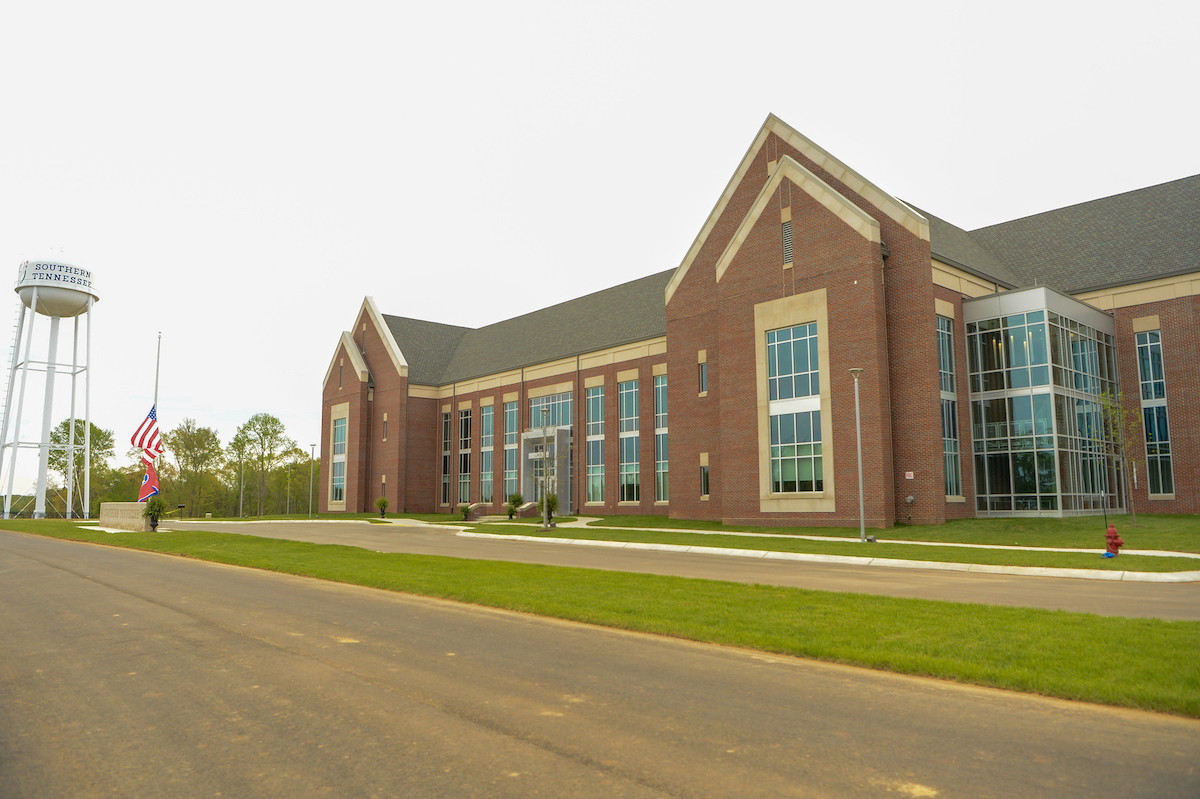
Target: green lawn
(1171,532)
(1142,663)
(995,557)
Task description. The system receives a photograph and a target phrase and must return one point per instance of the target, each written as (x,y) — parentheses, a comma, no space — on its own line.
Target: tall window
(559,407)
(630,463)
(661,486)
(487,422)
(950,452)
(702,369)
(796,452)
(595,444)
(950,448)
(793,377)
(337,492)
(464,455)
(510,449)
(792,364)
(446,431)
(945,329)
(1154,412)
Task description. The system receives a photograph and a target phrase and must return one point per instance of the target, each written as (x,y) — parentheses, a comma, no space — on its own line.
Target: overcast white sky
(238,175)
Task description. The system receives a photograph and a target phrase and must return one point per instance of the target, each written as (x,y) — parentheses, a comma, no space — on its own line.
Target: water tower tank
(62,289)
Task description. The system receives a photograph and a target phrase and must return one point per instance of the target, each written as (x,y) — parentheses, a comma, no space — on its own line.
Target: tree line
(259,472)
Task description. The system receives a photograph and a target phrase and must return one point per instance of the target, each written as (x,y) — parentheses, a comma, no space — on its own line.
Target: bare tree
(1123,433)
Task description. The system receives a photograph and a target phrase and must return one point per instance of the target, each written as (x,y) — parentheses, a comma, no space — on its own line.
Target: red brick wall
(829,255)
(911,344)
(695,420)
(1179,320)
(355,393)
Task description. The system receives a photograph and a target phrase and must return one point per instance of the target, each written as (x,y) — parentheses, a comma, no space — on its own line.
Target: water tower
(55,289)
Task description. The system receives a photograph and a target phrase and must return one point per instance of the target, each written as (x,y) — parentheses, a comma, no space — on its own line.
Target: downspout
(579,424)
(370,429)
(404,443)
(884,252)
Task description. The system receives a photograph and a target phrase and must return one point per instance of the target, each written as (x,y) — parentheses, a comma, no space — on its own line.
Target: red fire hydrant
(1113,542)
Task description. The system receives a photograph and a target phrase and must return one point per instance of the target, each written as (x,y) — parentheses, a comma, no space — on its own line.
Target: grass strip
(1140,663)
(1169,532)
(993,557)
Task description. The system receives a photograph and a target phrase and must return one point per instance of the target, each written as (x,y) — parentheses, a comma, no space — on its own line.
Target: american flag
(146,437)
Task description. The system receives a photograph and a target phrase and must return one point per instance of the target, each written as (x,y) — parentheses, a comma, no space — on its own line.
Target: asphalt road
(1180,601)
(132,674)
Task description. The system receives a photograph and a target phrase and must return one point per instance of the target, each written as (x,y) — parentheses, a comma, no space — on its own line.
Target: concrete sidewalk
(894,563)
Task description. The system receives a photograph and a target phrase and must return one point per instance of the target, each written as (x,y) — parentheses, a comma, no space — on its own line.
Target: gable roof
(1127,238)
(438,354)
(850,214)
(897,210)
(357,364)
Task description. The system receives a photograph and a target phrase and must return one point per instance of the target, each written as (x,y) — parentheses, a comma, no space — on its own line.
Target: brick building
(722,389)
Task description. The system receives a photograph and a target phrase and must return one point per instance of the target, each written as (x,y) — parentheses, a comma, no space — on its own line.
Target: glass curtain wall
(1039,445)
(558,413)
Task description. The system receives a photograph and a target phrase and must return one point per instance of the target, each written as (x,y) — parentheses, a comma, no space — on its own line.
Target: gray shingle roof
(1126,238)
(439,354)
(954,246)
(427,346)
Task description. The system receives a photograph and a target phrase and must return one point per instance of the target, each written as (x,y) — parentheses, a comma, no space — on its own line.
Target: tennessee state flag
(149,483)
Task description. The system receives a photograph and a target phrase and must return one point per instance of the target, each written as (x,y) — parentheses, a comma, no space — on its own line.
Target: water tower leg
(8,396)
(87,420)
(12,464)
(71,432)
(39,508)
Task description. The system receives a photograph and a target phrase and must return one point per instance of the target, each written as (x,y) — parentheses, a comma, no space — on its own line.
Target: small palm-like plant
(154,509)
(551,501)
(382,504)
(515,501)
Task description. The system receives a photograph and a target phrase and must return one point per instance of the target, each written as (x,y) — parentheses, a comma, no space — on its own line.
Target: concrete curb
(850,560)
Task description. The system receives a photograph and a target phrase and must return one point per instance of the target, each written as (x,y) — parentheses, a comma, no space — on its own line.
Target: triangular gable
(856,218)
(385,333)
(357,363)
(894,208)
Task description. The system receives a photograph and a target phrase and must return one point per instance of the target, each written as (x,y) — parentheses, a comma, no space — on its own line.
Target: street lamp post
(242,485)
(545,470)
(862,525)
(312,452)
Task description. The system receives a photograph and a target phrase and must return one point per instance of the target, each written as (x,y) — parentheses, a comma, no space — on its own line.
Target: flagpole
(157,360)
(154,409)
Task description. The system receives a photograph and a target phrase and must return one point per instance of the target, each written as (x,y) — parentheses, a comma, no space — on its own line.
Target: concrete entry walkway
(867,560)
(1145,600)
